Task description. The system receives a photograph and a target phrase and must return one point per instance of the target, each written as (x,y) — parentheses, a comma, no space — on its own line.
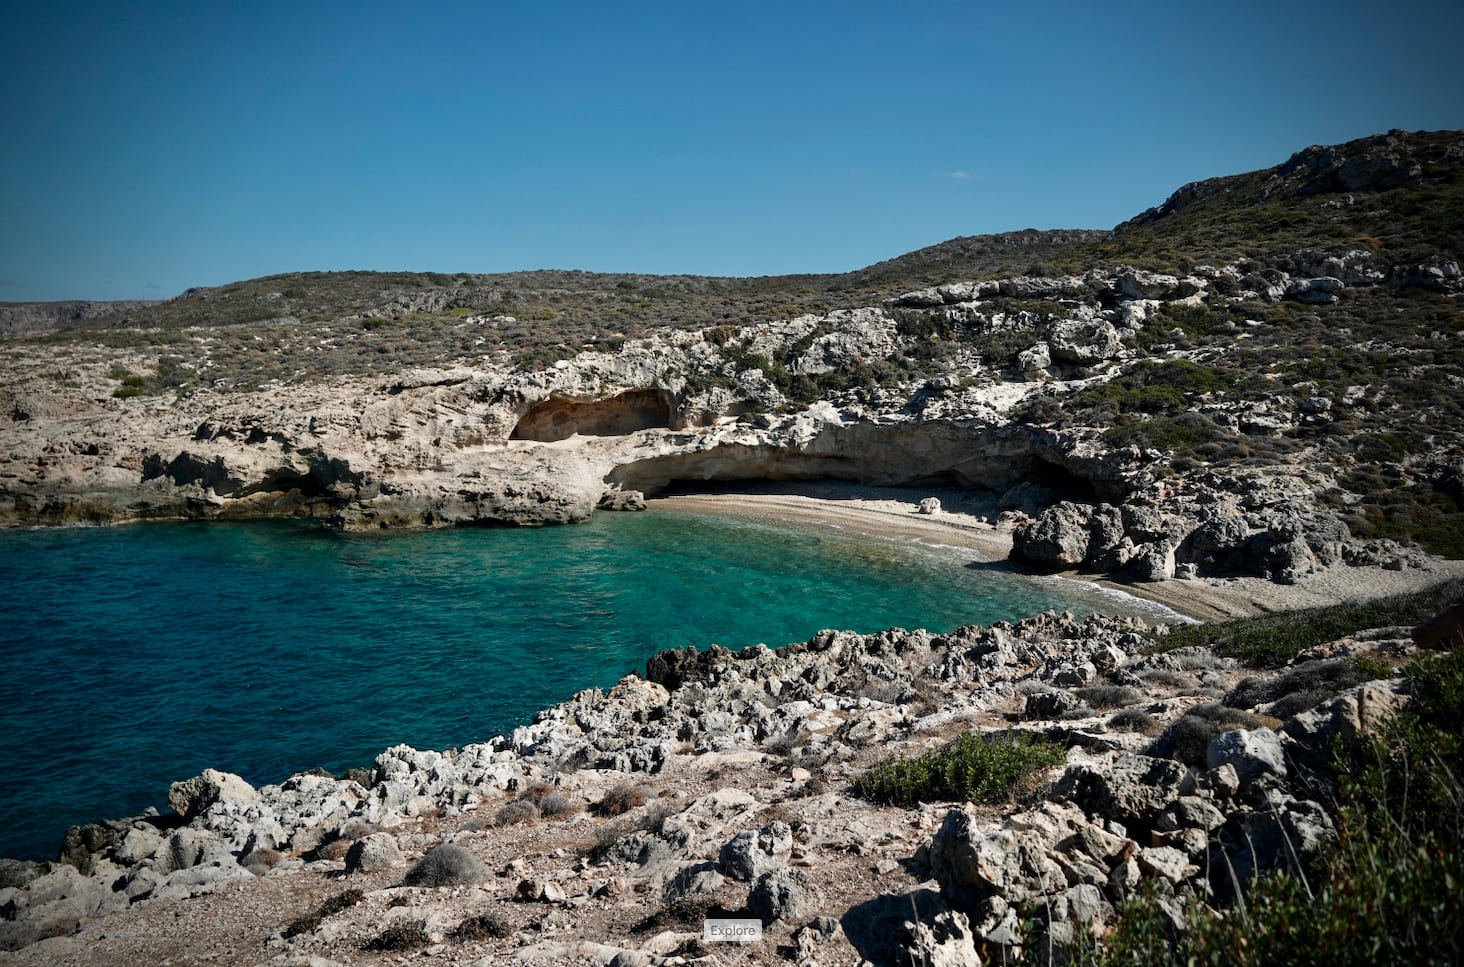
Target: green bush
(973,768)
(1273,640)
(1391,892)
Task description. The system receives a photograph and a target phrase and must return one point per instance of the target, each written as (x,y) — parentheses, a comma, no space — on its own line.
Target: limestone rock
(781,895)
(1057,539)
(375,852)
(191,797)
(1253,753)
(1134,788)
(970,865)
(749,854)
(1083,342)
(946,940)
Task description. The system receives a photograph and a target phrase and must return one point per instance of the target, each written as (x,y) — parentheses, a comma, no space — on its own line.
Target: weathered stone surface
(191,797)
(782,895)
(749,854)
(1253,753)
(1135,788)
(375,852)
(970,865)
(1058,538)
(947,940)
(1083,342)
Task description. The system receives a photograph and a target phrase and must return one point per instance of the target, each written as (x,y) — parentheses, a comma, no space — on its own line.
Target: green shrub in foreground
(1391,892)
(972,768)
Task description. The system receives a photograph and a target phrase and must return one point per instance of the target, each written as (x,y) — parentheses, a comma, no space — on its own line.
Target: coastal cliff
(1259,377)
(1246,404)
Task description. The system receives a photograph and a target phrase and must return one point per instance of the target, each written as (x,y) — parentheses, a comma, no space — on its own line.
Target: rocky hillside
(896,798)
(1261,375)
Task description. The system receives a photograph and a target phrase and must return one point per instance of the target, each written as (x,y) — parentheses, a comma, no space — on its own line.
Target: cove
(133,657)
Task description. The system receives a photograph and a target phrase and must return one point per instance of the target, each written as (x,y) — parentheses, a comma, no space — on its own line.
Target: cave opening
(561,417)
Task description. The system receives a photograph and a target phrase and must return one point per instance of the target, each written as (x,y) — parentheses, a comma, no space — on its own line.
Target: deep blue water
(133,657)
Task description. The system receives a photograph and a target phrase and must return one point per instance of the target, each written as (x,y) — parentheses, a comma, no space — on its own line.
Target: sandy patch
(893,512)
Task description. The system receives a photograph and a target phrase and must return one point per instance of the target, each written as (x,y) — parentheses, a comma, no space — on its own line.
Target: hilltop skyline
(161,147)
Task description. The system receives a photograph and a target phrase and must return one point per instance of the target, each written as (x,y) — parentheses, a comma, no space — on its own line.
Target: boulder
(1035,359)
(781,895)
(1314,291)
(1219,543)
(1133,789)
(1057,539)
(191,797)
(750,854)
(698,879)
(375,852)
(970,865)
(946,940)
(1083,342)
(1153,563)
(1312,735)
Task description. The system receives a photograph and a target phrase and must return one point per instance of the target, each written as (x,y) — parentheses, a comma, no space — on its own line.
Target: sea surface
(133,657)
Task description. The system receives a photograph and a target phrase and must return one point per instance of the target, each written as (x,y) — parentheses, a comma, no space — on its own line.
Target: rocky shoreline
(721,781)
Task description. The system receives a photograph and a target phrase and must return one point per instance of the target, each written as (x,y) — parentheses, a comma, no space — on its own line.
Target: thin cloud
(961,176)
(8,282)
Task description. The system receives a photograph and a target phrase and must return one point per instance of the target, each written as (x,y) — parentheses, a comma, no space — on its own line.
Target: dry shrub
(623,798)
(516,811)
(556,806)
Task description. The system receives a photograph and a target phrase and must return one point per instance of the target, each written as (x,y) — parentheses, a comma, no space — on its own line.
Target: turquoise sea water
(133,657)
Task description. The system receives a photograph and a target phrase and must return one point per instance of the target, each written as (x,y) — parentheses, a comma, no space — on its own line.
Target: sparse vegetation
(1273,640)
(1387,895)
(332,906)
(623,798)
(402,935)
(991,768)
(491,925)
(446,865)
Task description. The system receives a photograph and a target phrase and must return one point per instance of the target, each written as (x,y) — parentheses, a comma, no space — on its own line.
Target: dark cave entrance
(560,417)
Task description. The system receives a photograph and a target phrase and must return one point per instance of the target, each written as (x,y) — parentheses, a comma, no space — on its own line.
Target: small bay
(137,656)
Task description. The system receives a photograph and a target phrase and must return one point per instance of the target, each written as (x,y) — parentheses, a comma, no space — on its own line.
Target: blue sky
(153,146)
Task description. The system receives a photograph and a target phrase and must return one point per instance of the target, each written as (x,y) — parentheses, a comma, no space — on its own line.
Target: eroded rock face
(192,797)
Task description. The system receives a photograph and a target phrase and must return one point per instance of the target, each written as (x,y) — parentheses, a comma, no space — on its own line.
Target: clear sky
(153,146)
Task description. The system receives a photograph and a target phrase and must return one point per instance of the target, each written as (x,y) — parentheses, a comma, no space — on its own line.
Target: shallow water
(133,657)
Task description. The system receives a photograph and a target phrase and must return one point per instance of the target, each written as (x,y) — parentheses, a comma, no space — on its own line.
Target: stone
(1153,563)
(1190,812)
(1035,359)
(1312,735)
(1134,788)
(749,854)
(781,894)
(946,940)
(1057,539)
(372,853)
(694,880)
(970,865)
(930,506)
(1252,752)
(1083,342)
(1223,781)
(1164,861)
(191,797)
